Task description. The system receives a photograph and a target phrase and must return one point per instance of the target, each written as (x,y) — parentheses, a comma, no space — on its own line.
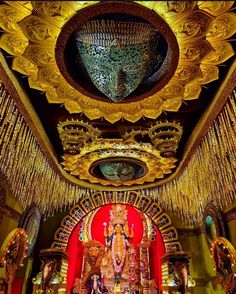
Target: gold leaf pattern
(193,26)
(186,73)
(195,51)
(40,55)
(14,43)
(192,91)
(38,30)
(209,73)
(24,66)
(223,27)
(223,50)
(215,7)
(50,75)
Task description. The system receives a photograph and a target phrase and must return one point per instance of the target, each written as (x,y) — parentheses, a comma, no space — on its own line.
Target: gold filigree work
(83,146)
(80,164)
(201,28)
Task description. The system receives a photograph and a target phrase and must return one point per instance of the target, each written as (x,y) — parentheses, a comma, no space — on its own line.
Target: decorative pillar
(52,275)
(145,266)
(175,273)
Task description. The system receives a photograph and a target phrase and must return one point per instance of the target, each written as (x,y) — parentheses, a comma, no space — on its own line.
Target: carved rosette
(201,28)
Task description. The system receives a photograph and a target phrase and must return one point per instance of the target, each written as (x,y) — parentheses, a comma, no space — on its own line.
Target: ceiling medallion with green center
(49,44)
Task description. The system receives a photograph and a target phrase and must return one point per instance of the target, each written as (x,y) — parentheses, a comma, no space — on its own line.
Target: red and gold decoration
(128,161)
(224,259)
(12,254)
(89,204)
(201,30)
(125,264)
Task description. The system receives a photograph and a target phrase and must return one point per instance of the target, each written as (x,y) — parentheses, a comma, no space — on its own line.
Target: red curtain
(17,285)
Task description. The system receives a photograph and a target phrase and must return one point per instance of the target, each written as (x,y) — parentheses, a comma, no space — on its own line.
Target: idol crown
(118,215)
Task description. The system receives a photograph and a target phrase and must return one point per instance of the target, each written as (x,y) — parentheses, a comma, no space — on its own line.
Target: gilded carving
(38,30)
(194,22)
(209,73)
(171,91)
(80,164)
(173,104)
(223,27)
(187,73)
(193,26)
(174,9)
(55,9)
(195,51)
(24,66)
(9,17)
(14,43)
(223,50)
(50,75)
(192,91)
(52,96)
(40,55)
(65,91)
(215,7)
(38,85)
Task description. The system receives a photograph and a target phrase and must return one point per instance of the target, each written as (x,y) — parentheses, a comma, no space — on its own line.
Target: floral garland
(118,267)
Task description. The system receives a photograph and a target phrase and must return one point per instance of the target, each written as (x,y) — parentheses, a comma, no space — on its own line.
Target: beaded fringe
(209,175)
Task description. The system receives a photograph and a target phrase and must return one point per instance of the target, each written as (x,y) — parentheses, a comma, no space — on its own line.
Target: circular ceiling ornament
(201,30)
(136,157)
(118,169)
(30,221)
(118,52)
(139,161)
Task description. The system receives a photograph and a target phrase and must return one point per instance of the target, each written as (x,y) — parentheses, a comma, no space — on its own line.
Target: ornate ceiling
(120,93)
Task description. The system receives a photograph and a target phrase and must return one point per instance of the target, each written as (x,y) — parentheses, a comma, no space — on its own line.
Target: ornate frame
(212,210)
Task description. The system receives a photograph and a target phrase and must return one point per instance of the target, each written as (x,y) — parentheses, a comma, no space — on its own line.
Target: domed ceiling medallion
(112,55)
(118,55)
(118,169)
(42,39)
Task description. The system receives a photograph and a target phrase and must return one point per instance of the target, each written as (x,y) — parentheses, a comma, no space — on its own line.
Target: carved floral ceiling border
(31,29)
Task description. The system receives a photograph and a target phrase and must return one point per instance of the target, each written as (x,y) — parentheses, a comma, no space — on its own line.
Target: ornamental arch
(143,203)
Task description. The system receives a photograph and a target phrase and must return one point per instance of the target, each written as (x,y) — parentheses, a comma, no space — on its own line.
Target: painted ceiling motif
(119,87)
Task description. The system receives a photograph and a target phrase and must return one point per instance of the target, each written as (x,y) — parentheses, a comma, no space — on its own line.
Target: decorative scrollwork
(75,134)
(165,136)
(121,161)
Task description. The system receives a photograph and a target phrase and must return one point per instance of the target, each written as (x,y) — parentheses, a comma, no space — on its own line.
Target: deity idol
(116,261)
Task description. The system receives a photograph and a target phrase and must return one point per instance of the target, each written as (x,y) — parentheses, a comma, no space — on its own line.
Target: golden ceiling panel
(201,29)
